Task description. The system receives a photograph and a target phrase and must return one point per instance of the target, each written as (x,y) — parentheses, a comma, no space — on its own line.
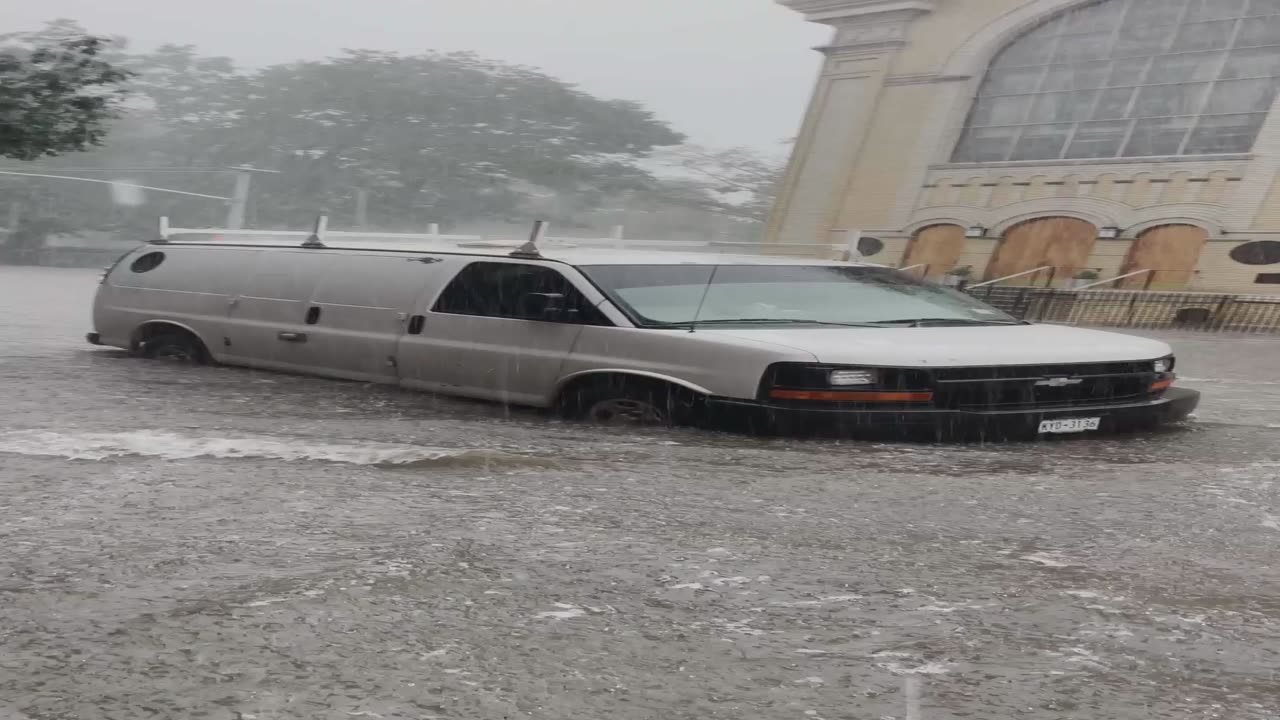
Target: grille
(1039,372)
(1015,387)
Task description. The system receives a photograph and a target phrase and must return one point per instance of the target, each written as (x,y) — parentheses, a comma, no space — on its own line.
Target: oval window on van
(147,262)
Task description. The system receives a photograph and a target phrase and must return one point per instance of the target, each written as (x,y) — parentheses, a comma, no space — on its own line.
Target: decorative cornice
(834,11)
(855,34)
(924,79)
(863,24)
(1045,165)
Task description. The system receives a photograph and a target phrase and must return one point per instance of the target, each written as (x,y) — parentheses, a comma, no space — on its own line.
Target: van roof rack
(530,248)
(538,242)
(316,238)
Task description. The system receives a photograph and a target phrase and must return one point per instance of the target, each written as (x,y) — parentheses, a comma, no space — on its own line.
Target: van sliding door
(266,323)
(360,310)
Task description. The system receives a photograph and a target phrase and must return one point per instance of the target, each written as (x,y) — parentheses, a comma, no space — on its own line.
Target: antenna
(530,248)
(316,239)
(705,292)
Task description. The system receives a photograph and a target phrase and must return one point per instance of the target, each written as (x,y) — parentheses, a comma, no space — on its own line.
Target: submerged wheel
(627,402)
(626,412)
(175,348)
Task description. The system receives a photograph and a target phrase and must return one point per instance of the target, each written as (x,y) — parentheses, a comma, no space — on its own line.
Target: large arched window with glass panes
(1130,78)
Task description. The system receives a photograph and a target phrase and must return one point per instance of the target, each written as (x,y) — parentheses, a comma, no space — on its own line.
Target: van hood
(956,346)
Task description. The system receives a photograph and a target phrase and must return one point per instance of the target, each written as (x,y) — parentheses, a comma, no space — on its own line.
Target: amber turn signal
(1161,385)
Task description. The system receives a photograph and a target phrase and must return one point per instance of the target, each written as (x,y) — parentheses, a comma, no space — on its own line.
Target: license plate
(1070,425)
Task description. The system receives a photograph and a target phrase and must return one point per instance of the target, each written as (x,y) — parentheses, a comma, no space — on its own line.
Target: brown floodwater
(227,544)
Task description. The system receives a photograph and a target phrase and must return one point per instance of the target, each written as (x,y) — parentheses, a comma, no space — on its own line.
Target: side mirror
(542,306)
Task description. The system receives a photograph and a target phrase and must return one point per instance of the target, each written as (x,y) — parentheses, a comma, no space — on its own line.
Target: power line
(112,182)
(122,169)
(145,169)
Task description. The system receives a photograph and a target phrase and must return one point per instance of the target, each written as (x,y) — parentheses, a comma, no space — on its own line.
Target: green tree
(444,138)
(180,98)
(430,138)
(57,93)
(738,182)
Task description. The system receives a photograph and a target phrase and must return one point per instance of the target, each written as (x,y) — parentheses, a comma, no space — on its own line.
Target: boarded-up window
(1062,244)
(1171,254)
(935,249)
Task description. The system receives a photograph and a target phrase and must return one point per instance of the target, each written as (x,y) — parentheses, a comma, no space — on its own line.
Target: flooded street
(227,544)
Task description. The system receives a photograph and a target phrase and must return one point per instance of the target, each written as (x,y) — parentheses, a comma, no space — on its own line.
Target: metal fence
(1138,309)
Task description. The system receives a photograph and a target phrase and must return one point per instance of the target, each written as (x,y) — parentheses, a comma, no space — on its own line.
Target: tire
(626,402)
(175,348)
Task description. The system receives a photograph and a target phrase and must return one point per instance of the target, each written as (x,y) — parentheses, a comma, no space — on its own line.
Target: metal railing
(1139,308)
(1151,275)
(1034,271)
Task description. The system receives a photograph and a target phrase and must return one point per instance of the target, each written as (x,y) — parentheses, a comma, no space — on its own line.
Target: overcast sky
(726,72)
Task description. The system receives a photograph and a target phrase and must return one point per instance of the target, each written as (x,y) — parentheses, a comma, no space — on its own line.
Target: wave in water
(171,446)
(1227,381)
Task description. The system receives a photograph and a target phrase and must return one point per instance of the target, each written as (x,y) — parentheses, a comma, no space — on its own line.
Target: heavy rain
(476,374)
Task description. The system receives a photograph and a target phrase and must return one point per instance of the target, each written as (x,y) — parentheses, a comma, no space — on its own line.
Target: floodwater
(226,544)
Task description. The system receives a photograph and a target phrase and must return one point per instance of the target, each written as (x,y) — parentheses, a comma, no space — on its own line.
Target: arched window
(1130,78)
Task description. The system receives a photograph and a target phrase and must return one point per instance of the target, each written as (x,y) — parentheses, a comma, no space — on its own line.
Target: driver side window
(502,290)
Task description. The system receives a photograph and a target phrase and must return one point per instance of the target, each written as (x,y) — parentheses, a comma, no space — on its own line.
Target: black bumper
(1172,407)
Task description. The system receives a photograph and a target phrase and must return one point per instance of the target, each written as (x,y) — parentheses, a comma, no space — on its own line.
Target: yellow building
(1113,136)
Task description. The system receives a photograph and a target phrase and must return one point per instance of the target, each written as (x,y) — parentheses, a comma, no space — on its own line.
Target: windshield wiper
(762,321)
(923,322)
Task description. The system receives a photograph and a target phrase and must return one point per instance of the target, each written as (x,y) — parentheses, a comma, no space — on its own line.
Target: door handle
(293,337)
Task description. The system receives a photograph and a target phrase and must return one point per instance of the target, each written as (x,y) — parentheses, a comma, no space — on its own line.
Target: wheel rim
(625,411)
(173,353)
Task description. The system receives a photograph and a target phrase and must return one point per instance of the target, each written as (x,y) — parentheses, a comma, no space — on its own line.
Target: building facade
(1092,137)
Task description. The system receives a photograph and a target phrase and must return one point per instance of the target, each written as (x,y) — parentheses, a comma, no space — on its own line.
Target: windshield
(658,295)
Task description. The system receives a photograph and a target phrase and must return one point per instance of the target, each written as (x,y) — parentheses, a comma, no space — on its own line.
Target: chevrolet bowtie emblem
(1059,382)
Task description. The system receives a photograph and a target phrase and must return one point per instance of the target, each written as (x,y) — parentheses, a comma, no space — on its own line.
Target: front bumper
(1175,405)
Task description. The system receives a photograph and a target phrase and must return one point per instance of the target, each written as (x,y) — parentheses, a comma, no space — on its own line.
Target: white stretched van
(620,336)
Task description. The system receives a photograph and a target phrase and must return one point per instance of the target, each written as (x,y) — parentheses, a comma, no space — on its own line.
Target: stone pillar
(868,34)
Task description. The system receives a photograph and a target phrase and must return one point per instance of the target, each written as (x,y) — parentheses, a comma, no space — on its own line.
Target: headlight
(848,378)
(1164,365)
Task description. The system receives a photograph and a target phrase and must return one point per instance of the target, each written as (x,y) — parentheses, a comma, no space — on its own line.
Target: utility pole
(15,217)
(239,199)
(362,209)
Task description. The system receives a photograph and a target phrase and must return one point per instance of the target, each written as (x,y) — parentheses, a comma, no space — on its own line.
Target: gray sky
(726,72)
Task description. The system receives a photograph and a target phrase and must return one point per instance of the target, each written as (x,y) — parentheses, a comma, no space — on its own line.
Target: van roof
(558,251)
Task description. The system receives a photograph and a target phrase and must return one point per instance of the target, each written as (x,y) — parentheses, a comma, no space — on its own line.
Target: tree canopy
(450,138)
(431,137)
(57,94)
